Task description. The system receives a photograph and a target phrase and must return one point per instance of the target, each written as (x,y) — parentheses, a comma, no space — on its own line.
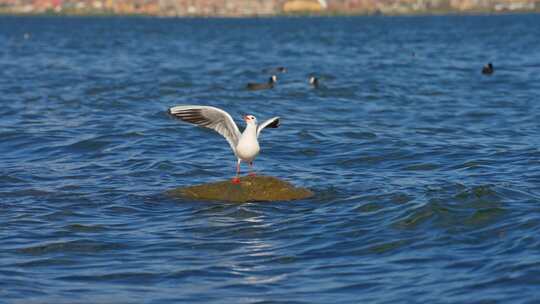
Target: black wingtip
(171,114)
(276,123)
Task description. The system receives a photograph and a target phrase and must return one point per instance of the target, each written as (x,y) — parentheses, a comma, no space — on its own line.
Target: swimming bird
(488,69)
(262,86)
(314,81)
(245,145)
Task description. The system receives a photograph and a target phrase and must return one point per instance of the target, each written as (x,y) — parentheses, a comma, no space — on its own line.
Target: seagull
(262,86)
(245,145)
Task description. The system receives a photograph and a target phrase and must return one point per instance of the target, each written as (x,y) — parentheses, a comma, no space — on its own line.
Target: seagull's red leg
(236,179)
(251,171)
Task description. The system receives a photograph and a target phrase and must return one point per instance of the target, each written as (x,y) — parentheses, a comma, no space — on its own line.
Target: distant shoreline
(265,8)
(277,15)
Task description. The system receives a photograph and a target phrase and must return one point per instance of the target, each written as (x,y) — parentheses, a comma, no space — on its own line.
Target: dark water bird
(245,145)
(262,86)
(488,69)
(314,81)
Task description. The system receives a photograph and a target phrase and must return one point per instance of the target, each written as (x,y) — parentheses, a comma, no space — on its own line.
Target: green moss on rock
(251,188)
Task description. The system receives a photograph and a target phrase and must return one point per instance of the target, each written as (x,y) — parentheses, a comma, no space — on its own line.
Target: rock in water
(251,188)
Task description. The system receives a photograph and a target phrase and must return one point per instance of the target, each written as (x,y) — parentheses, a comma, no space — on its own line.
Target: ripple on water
(85,228)
(76,246)
(473,207)
(118,277)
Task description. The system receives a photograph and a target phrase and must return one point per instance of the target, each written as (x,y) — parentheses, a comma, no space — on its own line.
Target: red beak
(245,117)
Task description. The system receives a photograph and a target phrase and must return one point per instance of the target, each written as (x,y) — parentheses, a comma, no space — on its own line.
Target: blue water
(426,173)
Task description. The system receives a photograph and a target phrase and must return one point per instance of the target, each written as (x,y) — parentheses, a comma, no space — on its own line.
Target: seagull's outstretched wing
(270,123)
(209,117)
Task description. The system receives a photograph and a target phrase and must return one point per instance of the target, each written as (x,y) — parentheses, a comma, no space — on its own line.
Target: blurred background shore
(240,8)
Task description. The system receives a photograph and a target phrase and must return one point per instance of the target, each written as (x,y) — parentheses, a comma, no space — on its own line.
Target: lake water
(426,172)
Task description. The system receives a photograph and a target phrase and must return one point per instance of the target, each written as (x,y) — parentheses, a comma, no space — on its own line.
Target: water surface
(426,172)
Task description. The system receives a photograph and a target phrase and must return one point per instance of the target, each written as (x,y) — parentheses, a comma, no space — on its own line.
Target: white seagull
(244,145)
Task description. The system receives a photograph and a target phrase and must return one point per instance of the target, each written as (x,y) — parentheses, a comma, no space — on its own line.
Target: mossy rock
(250,188)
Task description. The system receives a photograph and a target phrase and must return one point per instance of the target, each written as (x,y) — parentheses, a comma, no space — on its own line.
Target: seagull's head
(250,119)
(312,79)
